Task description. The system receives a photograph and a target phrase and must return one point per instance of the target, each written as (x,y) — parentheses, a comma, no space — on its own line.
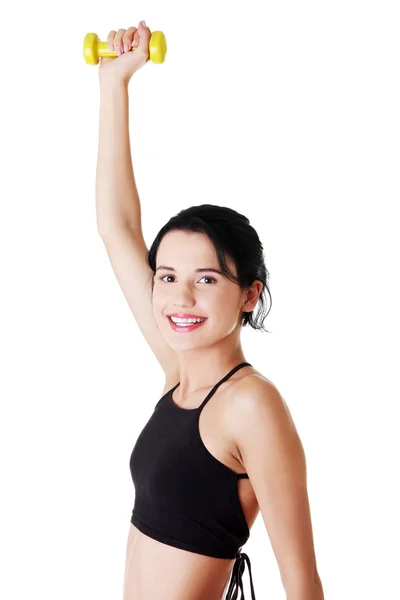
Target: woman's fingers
(110,39)
(136,38)
(122,40)
(129,37)
(118,44)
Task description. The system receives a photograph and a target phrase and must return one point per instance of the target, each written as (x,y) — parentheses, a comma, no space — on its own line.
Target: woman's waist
(155,569)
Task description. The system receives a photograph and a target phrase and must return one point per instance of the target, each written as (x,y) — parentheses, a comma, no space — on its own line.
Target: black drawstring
(236,579)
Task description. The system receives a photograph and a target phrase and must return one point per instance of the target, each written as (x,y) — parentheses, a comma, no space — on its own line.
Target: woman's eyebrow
(202,270)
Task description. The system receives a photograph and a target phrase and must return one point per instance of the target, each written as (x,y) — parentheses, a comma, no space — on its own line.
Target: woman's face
(180,289)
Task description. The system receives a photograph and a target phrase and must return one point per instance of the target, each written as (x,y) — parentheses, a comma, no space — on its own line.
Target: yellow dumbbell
(93,48)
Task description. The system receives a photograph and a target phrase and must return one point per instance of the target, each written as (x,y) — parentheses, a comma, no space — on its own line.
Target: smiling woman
(199,265)
(234,252)
(220,444)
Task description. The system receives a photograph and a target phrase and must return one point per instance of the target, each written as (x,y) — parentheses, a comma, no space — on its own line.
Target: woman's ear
(252,295)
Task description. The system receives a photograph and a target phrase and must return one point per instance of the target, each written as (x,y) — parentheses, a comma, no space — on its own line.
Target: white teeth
(186,321)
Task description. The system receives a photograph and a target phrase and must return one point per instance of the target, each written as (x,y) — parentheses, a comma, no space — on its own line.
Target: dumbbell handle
(93,48)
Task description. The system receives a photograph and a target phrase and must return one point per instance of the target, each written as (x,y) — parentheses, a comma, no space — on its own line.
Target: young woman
(220,445)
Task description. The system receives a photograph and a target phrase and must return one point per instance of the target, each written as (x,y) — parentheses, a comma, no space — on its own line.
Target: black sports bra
(184,496)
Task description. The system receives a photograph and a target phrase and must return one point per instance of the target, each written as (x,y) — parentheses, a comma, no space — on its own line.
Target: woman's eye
(162,278)
(205,277)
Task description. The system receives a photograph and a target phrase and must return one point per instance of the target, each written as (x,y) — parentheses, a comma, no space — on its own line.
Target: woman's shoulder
(251,381)
(251,390)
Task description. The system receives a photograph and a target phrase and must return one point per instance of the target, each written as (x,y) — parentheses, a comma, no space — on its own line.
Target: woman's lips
(185,328)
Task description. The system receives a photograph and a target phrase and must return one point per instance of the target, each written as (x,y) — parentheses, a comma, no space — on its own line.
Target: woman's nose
(183,297)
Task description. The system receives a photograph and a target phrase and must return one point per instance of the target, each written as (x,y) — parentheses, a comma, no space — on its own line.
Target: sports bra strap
(216,386)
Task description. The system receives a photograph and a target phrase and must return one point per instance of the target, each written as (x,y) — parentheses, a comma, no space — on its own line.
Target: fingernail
(125,47)
(144,23)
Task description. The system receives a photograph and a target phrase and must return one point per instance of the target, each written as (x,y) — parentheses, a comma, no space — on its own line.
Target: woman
(221,444)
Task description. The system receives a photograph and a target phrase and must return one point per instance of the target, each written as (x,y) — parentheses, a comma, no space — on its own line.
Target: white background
(285,111)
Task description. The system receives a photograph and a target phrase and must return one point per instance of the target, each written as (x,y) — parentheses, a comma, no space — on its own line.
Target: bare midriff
(154,570)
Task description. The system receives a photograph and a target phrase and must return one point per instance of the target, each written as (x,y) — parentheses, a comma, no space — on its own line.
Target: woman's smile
(185,327)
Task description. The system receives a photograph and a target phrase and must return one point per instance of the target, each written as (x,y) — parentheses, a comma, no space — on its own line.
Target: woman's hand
(127,62)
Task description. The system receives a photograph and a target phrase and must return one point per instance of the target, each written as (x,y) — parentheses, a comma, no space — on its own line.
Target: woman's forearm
(117,199)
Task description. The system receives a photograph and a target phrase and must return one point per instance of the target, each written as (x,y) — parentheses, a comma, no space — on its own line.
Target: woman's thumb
(144,36)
